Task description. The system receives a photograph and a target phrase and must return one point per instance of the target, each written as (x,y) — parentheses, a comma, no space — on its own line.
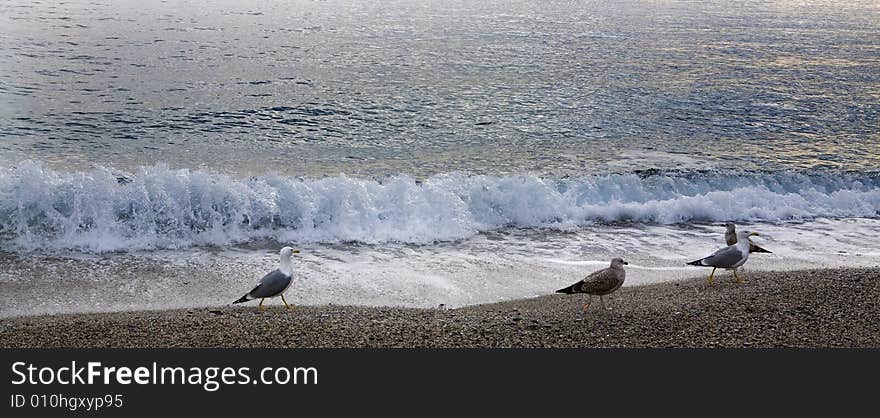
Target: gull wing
(755,248)
(270,285)
(726,257)
(601,281)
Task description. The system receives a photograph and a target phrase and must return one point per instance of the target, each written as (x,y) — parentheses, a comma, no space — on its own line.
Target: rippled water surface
(423,87)
(157,154)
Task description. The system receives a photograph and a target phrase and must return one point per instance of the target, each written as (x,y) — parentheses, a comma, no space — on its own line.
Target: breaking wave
(160,207)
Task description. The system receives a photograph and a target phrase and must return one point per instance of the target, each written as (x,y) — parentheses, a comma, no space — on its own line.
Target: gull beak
(296,251)
(752,234)
(625,263)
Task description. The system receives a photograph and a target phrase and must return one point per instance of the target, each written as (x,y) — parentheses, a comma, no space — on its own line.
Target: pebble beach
(810,308)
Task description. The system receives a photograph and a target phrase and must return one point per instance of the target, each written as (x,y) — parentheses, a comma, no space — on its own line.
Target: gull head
(618,263)
(731,227)
(743,236)
(287,252)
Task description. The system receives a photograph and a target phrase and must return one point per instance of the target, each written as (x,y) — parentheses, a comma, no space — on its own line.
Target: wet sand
(812,308)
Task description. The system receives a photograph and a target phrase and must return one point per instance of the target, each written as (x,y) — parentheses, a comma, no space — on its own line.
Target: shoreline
(806,308)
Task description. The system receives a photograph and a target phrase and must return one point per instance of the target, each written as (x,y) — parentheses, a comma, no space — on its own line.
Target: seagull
(274,283)
(600,283)
(730,257)
(730,237)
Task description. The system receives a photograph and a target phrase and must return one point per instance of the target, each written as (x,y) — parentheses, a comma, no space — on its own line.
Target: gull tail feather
(244,298)
(568,290)
(696,263)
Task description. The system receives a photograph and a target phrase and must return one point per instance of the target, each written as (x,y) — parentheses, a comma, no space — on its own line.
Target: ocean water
(158,154)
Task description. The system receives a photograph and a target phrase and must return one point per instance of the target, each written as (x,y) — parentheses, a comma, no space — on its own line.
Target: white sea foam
(161,207)
(487,267)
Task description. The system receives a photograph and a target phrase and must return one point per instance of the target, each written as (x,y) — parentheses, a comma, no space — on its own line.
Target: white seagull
(274,283)
(730,257)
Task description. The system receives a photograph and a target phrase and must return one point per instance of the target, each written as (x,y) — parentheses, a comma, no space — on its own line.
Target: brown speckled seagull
(600,283)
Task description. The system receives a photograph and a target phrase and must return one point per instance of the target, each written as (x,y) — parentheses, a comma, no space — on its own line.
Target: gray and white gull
(730,257)
(276,282)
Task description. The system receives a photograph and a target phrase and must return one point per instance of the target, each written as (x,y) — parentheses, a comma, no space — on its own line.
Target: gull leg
(285,302)
(601,299)
(587,305)
(261,304)
(738,280)
(712,276)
